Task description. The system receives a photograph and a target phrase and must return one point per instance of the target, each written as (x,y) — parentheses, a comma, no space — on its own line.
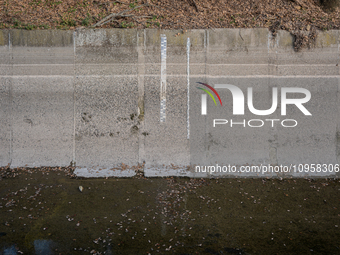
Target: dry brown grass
(301,17)
(168,14)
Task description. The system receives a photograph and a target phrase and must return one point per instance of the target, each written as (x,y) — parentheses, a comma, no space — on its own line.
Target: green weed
(45,26)
(68,22)
(87,21)
(35,2)
(133,5)
(30,27)
(127,25)
(16,23)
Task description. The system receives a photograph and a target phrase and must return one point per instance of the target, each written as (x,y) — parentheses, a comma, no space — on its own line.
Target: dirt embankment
(300,17)
(168,14)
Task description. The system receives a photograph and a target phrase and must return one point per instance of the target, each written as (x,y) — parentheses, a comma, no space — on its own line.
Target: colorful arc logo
(213,90)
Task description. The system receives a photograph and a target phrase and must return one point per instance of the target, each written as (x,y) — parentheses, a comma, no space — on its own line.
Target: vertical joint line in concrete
(74,101)
(144,38)
(188,88)
(338,58)
(9,41)
(206,72)
(141,108)
(206,38)
(163,78)
(268,41)
(11,102)
(268,48)
(272,45)
(11,126)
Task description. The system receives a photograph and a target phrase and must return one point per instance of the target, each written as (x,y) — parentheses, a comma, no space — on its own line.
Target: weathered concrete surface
(311,141)
(89,172)
(5,123)
(92,98)
(106,98)
(5,98)
(42,117)
(107,127)
(41,98)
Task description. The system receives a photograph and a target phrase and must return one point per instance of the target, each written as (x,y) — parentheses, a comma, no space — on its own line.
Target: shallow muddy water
(46,213)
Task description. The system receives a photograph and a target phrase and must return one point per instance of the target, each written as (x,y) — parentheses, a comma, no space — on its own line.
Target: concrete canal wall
(100,98)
